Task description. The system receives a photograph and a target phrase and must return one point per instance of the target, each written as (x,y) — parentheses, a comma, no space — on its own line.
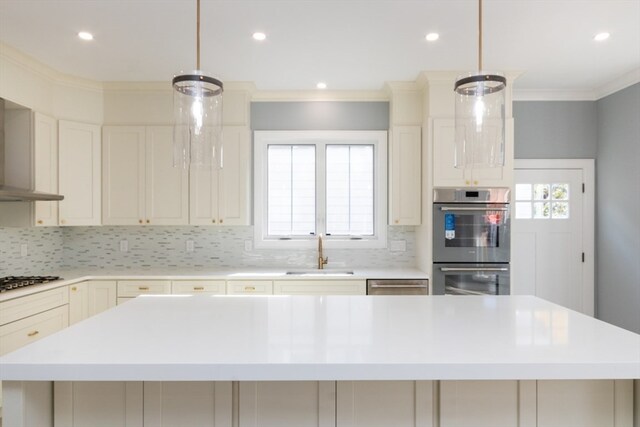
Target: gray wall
(555,129)
(618,209)
(320,115)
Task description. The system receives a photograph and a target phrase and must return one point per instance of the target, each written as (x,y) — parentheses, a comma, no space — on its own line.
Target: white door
(552,234)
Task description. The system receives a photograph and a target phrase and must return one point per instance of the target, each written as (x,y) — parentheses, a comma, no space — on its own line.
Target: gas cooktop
(16,282)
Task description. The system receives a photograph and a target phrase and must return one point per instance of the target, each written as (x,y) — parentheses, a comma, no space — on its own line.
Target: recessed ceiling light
(85,35)
(321,85)
(431,37)
(601,36)
(259,36)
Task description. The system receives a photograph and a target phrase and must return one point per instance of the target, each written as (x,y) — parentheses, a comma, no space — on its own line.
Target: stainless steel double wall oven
(471,241)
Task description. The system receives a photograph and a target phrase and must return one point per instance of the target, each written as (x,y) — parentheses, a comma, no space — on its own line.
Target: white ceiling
(350,44)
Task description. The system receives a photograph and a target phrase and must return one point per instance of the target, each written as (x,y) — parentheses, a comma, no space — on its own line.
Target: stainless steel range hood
(10,193)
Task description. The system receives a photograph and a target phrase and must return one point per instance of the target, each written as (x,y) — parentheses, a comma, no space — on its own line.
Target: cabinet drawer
(133,288)
(199,287)
(250,287)
(25,331)
(19,308)
(320,287)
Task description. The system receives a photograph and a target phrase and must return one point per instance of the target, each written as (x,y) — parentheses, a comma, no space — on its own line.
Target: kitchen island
(327,360)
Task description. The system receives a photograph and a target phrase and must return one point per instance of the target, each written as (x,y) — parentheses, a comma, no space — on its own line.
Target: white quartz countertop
(252,338)
(75,276)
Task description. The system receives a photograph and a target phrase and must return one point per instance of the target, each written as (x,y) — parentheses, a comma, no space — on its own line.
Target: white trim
(263,138)
(553,95)
(588,226)
(618,84)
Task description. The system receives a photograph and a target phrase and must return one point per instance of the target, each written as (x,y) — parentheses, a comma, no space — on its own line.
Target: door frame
(588,218)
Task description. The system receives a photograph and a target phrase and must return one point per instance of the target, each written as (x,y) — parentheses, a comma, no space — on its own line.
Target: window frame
(320,139)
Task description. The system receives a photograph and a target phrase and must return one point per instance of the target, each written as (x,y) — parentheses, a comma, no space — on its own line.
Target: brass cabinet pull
(143,288)
(140,221)
(249,288)
(220,221)
(74,289)
(62,221)
(33,333)
(39,221)
(397,221)
(148,221)
(213,221)
(198,288)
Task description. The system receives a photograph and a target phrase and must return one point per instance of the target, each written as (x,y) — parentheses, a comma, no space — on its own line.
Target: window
(330,183)
(542,201)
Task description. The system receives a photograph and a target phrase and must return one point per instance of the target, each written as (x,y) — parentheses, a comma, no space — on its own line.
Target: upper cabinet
(79,173)
(140,184)
(446,175)
(45,165)
(222,197)
(405,158)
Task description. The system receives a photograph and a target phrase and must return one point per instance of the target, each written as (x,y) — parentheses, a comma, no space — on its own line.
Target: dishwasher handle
(374,285)
(454,269)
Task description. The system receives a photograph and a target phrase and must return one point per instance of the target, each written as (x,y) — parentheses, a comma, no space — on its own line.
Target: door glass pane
(523,210)
(560,191)
(350,200)
(291,190)
(541,191)
(560,210)
(523,192)
(541,210)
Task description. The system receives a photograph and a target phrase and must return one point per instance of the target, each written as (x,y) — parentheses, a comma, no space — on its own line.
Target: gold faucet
(321,261)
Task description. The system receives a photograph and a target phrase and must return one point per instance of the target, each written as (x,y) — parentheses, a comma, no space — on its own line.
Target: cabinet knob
(148,221)
(220,221)
(39,221)
(62,221)
(33,333)
(396,221)
(74,289)
(140,221)
(467,182)
(475,182)
(213,221)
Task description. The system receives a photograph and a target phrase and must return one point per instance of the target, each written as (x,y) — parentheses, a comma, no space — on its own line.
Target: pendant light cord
(198,35)
(479,35)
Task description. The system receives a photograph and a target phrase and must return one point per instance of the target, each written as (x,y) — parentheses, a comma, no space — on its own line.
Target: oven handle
(474,269)
(397,286)
(446,208)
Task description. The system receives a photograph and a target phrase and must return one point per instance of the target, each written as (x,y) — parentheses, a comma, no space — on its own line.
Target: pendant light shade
(480,116)
(197,111)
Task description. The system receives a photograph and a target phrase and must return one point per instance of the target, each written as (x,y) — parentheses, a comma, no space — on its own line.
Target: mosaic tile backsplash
(28,251)
(214,247)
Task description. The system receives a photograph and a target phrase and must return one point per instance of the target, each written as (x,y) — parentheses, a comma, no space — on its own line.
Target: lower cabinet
(89,298)
(579,403)
(191,287)
(249,287)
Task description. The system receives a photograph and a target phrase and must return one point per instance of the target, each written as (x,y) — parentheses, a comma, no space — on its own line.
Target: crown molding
(319,96)
(552,95)
(618,84)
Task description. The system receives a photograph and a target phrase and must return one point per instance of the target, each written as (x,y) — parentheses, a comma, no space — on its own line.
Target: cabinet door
(405,176)
(287,403)
(446,175)
(123,186)
(133,288)
(250,287)
(479,403)
(167,187)
(25,331)
(234,194)
(78,302)
(79,173)
(45,167)
(102,296)
(203,197)
(319,287)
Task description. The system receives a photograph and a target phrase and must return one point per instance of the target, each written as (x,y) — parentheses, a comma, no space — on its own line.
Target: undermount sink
(318,272)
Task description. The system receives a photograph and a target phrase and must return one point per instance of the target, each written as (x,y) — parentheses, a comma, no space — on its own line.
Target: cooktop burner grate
(16,282)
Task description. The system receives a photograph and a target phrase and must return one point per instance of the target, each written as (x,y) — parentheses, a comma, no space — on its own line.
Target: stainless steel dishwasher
(398,287)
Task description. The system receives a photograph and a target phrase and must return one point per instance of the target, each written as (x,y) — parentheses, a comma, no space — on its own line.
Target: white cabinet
(479,403)
(287,404)
(320,287)
(140,184)
(385,403)
(446,175)
(405,177)
(250,287)
(134,288)
(45,167)
(79,172)
(209,287)
(223,196)
(89,298)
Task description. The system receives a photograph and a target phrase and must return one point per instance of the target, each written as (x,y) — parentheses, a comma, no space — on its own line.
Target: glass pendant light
(480,115)
(197,109)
